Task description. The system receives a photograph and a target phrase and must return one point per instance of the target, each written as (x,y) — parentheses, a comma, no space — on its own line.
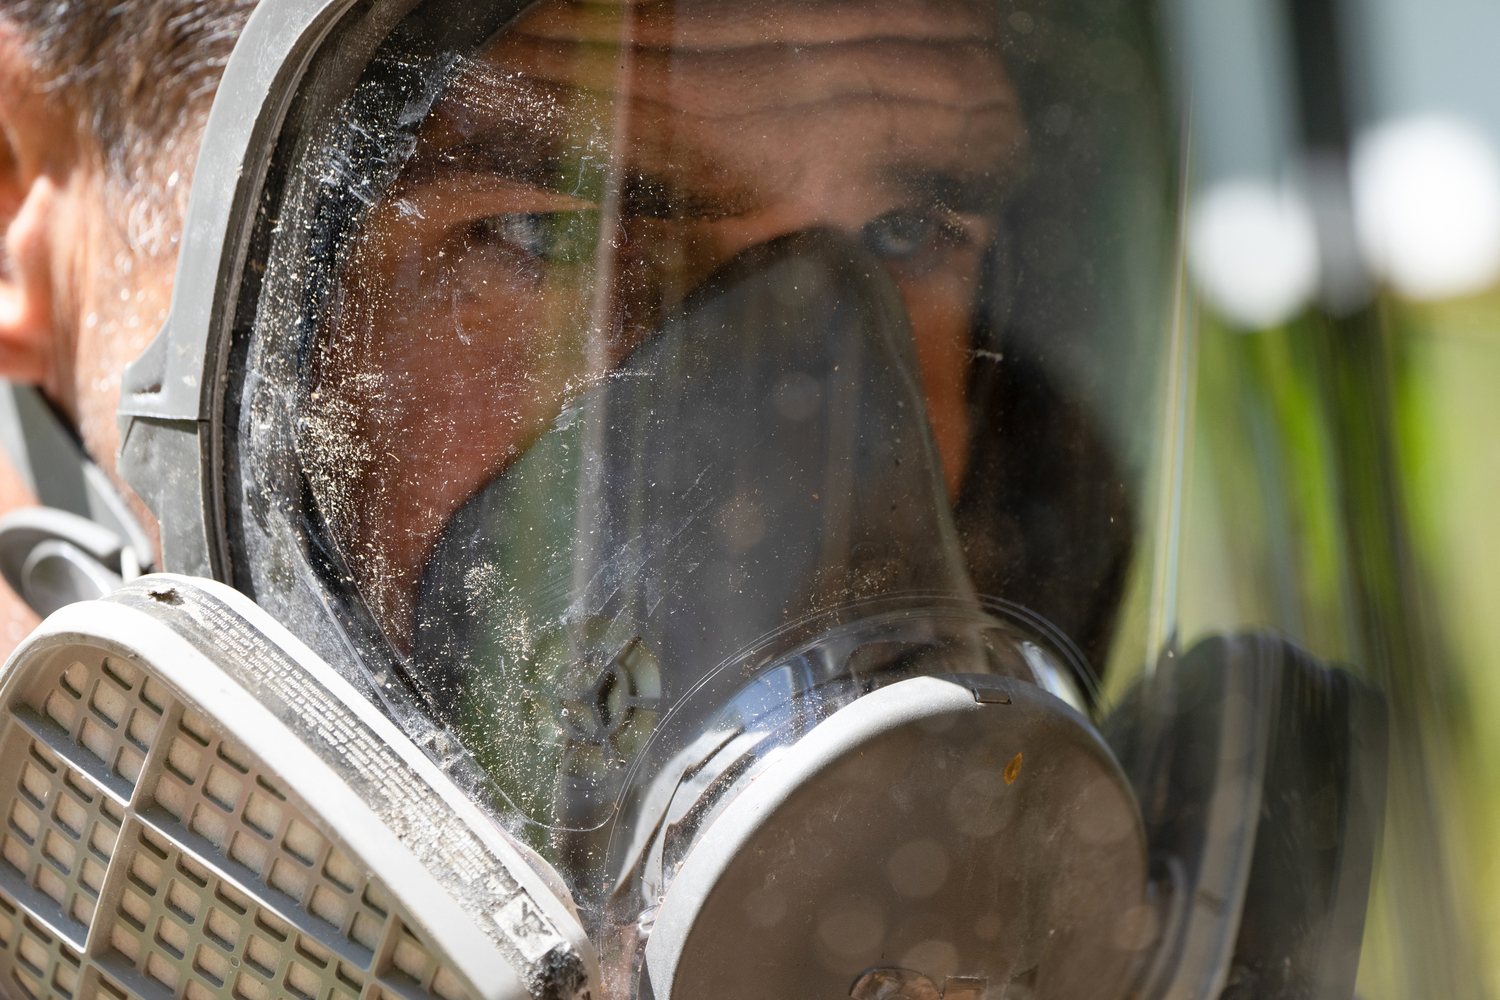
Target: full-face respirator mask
(653,500)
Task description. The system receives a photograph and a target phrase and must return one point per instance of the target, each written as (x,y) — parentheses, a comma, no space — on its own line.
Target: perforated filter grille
(144,856)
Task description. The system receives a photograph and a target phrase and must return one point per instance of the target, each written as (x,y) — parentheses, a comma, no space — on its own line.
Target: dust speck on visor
(731,446)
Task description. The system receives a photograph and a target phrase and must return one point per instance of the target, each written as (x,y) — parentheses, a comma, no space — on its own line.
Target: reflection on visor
(669,352)
(660,414)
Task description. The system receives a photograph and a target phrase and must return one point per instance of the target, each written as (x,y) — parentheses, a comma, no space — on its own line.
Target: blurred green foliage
(1342,488)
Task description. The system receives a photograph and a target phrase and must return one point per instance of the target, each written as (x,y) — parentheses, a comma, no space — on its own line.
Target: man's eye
(907,232)
(555,237)
(901,233)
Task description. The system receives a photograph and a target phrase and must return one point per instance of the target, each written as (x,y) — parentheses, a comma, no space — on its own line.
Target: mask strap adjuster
(83,542)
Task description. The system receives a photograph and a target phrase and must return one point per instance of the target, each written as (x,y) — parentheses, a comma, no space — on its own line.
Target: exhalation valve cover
(197,808)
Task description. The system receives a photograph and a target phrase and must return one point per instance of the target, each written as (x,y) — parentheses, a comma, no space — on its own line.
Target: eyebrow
(528,154)
(967,194)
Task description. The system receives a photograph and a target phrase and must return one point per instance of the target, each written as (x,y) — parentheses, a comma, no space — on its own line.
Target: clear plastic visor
(686,371)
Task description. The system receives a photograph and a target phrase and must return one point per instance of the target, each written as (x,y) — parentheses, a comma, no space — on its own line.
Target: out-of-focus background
(1343,458)
(1259,403)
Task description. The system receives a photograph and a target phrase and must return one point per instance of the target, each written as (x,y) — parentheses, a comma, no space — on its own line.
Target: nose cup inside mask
(762,455)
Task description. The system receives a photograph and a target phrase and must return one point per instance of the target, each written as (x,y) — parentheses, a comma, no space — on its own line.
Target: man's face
(586,172)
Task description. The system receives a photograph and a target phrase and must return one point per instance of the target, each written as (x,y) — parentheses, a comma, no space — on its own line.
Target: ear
(36,147)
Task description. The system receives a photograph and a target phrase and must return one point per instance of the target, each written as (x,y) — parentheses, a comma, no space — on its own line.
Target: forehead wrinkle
(485,92)
(721,26)
(965,74)
(494,137)
(515,113)
(531,152)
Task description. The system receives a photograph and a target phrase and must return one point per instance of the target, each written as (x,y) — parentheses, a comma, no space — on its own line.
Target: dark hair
(140,73)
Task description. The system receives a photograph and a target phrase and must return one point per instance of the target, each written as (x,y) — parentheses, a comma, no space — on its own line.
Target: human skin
(85,276)
(726,126)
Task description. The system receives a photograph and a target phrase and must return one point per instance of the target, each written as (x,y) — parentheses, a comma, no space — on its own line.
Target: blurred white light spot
(1427,206)
(1253,248)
